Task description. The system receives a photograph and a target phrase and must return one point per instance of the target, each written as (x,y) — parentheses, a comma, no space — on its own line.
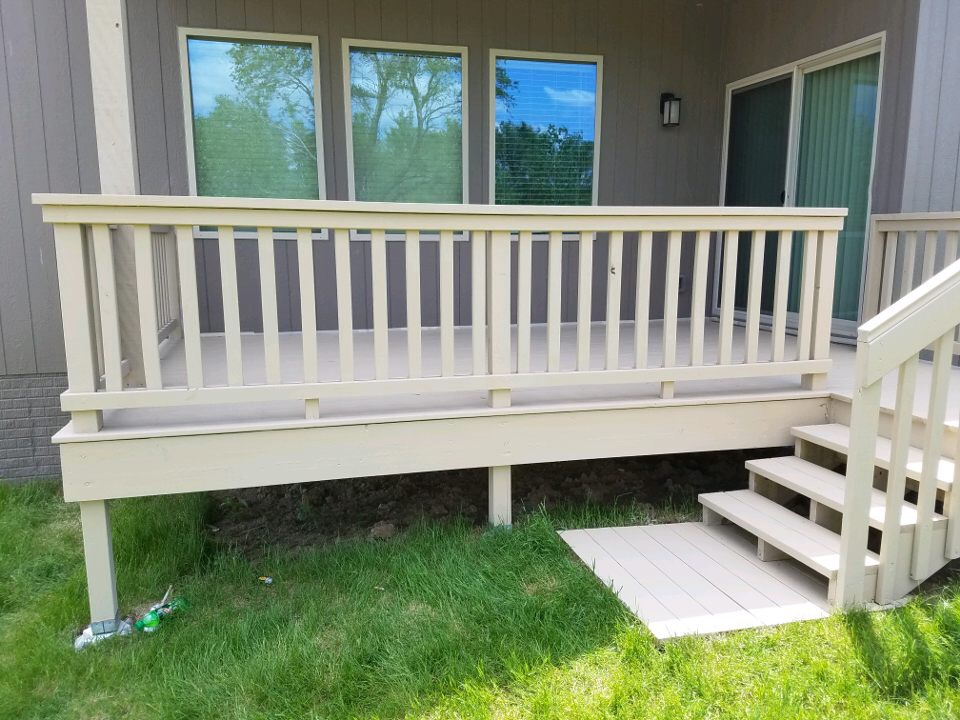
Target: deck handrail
(893,340)
(499,243)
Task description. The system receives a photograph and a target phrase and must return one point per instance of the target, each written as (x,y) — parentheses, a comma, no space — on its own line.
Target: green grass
(442,621)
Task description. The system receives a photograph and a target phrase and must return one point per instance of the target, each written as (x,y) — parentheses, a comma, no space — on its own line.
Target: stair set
(794,507)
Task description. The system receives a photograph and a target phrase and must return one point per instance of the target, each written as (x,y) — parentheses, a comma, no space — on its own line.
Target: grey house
(361,237)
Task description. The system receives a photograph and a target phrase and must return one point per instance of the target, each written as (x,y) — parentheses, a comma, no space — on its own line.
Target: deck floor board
(708,576)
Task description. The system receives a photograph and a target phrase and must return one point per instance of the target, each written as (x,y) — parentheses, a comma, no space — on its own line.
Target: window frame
(347,44)
(582,58)
(187,33)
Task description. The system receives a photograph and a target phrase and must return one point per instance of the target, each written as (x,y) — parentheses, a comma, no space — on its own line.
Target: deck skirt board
(691,579)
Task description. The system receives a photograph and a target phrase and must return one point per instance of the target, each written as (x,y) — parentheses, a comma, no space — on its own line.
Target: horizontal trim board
(73,401)
(191,463)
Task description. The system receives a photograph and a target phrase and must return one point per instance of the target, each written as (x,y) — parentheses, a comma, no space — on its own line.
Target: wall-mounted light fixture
(670,109)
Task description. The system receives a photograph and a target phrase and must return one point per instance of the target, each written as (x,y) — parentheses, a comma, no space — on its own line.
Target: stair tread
(809,543)
(836,437)
(827,487)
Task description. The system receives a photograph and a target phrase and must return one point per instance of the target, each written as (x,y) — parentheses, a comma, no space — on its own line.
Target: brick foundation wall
(29,416)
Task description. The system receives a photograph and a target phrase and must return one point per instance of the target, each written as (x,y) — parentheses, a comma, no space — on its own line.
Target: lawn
(444,620)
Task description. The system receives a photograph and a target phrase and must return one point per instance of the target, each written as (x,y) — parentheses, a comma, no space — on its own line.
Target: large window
(252,123)
(406,122)
(546,128)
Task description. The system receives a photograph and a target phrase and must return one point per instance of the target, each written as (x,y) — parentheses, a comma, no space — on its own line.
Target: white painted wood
(873,277)
(754,285)
(642,316)
(952,511)
(896,480)
(731,242)
(524,299)
(699,296)
(478,293)
(500,498)
(826,279)
(189,305)
(584,299)
(554,285)
(808,306)
(268,303)
(614,283)
(928,241)
(498,313)
(147,304)
(780,295)
(889,264)
(414,317)
(446,302)
(378,283)
(231,304)
(671,299)
(75,300)
(341,240)
(308,304)
(909,262)
(98,557)
(109,316)
(932,446)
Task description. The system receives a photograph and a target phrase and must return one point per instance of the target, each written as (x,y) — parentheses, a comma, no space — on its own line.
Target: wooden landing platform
(691,579)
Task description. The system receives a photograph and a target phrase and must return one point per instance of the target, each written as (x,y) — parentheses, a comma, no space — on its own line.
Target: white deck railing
(165,275)
(892,341)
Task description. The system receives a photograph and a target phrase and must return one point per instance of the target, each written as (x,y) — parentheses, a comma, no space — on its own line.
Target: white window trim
(870,45)
(348,43)
(496,53)
(184,33)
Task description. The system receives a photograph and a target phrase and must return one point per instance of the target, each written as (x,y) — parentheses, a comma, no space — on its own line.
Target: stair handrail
(893,339)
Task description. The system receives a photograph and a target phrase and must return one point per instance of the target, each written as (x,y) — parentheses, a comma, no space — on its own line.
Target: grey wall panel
(46,144)
(933,149)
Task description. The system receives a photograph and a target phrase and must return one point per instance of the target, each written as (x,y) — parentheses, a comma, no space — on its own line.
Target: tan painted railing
(501,349)
(891,342)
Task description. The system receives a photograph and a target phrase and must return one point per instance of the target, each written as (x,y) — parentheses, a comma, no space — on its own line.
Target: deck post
(826,269)
(498,314)
(500,506)
(98,555)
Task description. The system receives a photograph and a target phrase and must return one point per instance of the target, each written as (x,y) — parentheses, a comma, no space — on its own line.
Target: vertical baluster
(671,302)
(807,290)
(932,447)
(889,265)
(109,317)
(754,285)
(478,300)
(414,340)
(584,300)
(341,241)
(928,241)
(231,304)
(873,279)
(378,279)
(614,281)
(780,295)
(731,242)
(823,305)
(909,262)
(524,280)
(147,302)
(446,302)
(498,303)
(950,247)
(554,285)
(189,305)
(641,328)
(896,480)
(308,304)
(699,296)
(268,305)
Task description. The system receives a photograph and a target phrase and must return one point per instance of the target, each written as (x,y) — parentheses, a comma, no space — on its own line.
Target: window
(546,128)
(406,122)
(252,122)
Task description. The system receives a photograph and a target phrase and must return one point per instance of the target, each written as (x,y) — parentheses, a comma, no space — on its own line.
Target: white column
(500,506)
(98,554)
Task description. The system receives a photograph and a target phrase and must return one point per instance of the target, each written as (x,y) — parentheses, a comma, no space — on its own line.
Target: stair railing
(893,340)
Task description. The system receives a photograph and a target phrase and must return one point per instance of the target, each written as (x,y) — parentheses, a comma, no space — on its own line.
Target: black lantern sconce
(670,109)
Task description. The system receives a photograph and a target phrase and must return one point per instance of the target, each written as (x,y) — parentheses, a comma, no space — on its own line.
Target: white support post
(498,313)
(823,306)
(500,502)
(98,554)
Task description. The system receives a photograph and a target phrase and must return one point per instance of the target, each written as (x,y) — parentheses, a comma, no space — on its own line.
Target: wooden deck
(693,579)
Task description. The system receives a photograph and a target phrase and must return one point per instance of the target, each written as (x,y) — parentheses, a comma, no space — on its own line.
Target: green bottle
(149,622)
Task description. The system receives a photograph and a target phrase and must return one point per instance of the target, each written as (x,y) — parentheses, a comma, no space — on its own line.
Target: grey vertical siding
(933,150)
(760,35)
(647,48)
(47,143)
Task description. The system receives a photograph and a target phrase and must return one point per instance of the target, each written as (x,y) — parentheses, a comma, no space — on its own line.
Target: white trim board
(869,45)
(461,50)
(583,58)
(185,33)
